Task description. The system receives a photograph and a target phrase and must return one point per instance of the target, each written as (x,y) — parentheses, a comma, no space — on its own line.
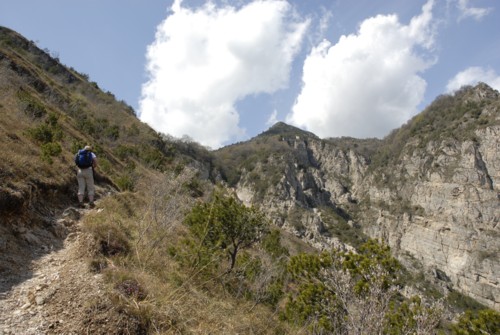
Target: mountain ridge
(398,182)
(429,190)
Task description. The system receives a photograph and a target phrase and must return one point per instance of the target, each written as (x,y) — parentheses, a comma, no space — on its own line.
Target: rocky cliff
(430,189)
(446,189)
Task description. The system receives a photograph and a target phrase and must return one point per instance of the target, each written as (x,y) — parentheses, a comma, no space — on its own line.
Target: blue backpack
(83,159)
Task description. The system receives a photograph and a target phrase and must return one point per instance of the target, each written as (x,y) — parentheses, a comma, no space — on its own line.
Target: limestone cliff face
(301,185)
(450,219)
(430,190)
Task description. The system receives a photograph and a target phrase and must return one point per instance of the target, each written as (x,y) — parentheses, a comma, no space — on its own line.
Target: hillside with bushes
(285,233)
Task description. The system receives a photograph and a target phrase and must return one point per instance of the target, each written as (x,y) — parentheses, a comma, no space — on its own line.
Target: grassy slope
(140,242)
(37,90)
(43,104)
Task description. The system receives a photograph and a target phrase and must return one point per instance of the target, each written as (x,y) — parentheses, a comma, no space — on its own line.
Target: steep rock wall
(430,189)
(454,186)
(439,204)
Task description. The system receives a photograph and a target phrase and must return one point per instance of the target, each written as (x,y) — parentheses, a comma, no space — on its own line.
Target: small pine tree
(226,224)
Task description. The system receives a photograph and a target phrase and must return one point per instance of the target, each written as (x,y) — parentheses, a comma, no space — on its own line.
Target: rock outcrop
(430,189)
(450,217)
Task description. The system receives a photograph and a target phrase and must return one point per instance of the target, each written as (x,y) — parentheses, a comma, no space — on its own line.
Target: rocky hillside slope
(430,189)
(47,112)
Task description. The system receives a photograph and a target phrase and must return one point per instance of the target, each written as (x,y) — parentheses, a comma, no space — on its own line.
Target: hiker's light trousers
(85,178)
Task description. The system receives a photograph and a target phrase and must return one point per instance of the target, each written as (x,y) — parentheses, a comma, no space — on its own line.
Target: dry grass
(29,97)
(134,233)
(179,299)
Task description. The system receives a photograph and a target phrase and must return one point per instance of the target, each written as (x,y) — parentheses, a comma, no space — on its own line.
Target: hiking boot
(81,205)
(91,204)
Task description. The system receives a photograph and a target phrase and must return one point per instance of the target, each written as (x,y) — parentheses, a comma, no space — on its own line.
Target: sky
(219,72)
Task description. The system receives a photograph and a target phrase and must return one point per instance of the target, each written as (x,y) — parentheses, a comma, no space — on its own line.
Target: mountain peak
(281,128)
(483,91)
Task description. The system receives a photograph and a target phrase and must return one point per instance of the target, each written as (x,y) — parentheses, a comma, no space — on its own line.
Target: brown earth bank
(49,287)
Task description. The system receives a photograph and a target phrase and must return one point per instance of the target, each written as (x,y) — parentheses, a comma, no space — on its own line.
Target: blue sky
(224,71)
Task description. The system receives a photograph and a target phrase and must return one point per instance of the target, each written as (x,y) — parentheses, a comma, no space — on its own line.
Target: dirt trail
(60,295)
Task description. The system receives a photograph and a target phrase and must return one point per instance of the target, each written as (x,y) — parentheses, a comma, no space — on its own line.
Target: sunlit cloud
(204,60)
(472,76)
(367,83)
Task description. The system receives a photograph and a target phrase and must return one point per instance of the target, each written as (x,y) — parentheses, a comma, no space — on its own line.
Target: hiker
(86,161)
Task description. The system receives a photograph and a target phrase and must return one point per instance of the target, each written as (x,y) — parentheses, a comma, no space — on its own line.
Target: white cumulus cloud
(204,60)
(472,76)
(367,83)
(467,11)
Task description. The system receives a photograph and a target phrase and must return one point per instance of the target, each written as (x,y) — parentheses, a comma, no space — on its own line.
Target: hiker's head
(88,148)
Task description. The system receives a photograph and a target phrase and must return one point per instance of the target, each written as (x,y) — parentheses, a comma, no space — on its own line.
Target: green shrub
(273,293)
(336,225)
(50,150)
(372,258)
(126,152)
(86,126)
(247,270)
(153,157)
(226,224)
(485,322)
(233,159)
(49,131)
(313,306)
(272,245)
(342,292)
(112,132)
(249,267)
(52,119)
(43,133)
(463,302)
(125,182)
(105,165)
(194,187)
(412,317)
(31,105)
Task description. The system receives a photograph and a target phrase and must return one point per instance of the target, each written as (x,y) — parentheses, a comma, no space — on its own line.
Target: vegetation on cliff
(179,252)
